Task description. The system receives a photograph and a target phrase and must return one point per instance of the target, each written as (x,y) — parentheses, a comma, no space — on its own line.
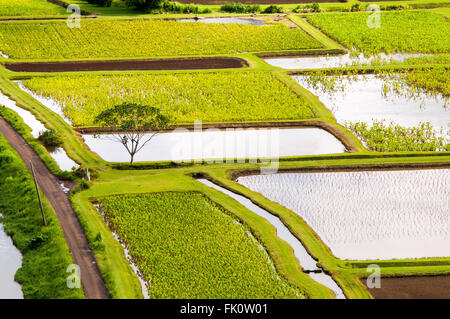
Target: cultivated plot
(405,31)
(145,38)
(186,246)
(213,97)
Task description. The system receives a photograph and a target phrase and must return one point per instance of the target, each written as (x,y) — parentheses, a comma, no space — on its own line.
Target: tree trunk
(132,157)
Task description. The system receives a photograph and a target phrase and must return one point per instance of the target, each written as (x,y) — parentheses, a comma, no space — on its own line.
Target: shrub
(50,139)
(273,9)
(237,7)
(308,8)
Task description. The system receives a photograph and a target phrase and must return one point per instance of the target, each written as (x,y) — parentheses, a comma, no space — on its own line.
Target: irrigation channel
(334,61)
(220,144)
(58,154)
(10,262)
(368,215)
(308,263)
(363,98)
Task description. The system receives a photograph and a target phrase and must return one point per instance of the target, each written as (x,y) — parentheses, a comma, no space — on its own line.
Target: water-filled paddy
(226,20)
(10,261)
(220,144)
(368,215)
(334,61)
(362,99)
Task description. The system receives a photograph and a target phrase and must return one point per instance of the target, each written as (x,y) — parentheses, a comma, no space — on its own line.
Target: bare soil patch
(129,65)
(425,287)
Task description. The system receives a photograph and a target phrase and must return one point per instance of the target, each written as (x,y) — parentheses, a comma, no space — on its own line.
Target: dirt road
(91,279)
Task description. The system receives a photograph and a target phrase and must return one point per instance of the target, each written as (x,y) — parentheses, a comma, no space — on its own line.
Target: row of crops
(186,246)
(408,31)
(209,96)
(145,38)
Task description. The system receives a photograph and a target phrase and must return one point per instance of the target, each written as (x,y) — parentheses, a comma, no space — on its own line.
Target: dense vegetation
(394,138)
(186,246)
(45,252)
(29,8)
(407,31)
(184,97)
(149,38)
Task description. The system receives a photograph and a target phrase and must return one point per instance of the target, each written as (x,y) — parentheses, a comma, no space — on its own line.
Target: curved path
(91,279)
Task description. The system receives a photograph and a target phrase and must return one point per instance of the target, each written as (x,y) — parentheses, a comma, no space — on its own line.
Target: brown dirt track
(127,65)
(91,279)
(433,287)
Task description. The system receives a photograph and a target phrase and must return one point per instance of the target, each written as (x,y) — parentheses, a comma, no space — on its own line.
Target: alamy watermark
(234,145)
(374,279)
(74,20)
(373,20)
(73,281)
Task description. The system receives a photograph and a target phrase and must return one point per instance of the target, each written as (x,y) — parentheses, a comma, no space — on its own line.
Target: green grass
(45,253)
(406,31)
(36,8)
(186,246)
(143,38)
(213,97)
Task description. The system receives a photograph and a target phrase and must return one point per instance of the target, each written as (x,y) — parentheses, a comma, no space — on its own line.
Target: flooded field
(220,144)
(47,102)
(368,215)
(10,261)
(334,61)
(226,20)
(362,99)
(59,154)
(308,263)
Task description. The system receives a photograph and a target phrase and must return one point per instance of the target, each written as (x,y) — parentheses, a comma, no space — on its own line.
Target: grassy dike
(45,253)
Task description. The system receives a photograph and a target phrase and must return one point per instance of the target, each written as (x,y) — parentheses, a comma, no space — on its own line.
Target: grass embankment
(45,253)
(187,246)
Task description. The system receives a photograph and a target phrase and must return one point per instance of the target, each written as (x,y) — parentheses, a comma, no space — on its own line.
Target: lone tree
(131,123)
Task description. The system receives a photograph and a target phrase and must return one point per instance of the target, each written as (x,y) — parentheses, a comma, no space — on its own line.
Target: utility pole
(38,195)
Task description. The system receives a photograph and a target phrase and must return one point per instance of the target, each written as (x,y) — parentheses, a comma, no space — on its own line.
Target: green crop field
(186,246)
(144,38)
(184,97)
(405,31)
(13,8)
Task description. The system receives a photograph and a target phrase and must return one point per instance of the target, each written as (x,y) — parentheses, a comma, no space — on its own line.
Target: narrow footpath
(50,185)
